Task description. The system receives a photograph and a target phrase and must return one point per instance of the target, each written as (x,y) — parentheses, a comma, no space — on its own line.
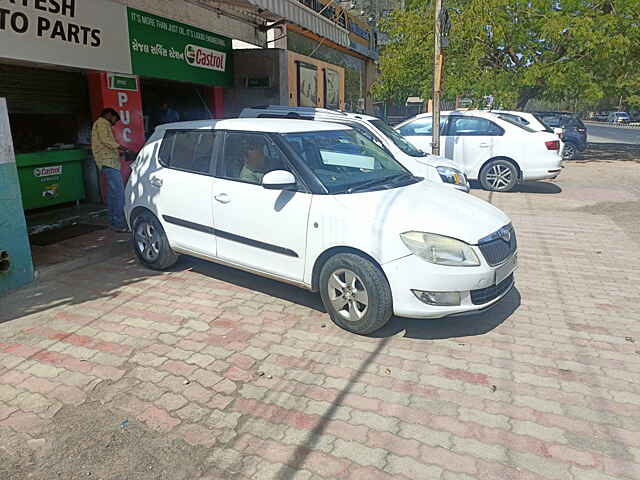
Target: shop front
(59,67)
(63,62)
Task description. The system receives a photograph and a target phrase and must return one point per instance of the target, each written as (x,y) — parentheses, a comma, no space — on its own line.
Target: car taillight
(553,144)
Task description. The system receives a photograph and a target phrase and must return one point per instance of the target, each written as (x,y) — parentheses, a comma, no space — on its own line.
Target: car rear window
(188,150)
(517,122)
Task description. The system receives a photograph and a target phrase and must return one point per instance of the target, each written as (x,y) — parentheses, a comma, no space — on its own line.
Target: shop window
(188,150)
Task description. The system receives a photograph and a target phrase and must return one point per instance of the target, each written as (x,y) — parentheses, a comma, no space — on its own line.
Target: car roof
(266,125)
(316,112)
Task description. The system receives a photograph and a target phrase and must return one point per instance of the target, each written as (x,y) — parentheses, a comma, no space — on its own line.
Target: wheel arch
(508,159)
(330,252)
(137,211)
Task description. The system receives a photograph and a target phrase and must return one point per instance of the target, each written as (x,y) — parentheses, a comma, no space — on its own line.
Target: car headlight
(440,250)
(452,175)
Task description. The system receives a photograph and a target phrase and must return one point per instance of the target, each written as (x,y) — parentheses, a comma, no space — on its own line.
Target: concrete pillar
(16,266)
(216,98)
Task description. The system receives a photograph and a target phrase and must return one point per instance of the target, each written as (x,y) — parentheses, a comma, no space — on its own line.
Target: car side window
(187,150)
(248,156)
(419,127)
(422,127)
(474,127)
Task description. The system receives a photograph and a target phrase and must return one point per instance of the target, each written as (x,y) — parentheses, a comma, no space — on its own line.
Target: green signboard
(166,49)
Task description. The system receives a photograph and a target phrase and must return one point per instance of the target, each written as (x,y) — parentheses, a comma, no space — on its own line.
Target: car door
(473,141)
(265,230)
(419,132)
(181,189)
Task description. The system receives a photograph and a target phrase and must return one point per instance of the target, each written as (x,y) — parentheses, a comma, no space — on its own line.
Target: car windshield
(345,161)
(397,139)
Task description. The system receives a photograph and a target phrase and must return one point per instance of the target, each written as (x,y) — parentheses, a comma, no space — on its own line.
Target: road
(602,133)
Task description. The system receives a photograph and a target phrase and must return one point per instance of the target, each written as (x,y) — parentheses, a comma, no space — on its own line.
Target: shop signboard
(107,36)
(76,33)
(175,51)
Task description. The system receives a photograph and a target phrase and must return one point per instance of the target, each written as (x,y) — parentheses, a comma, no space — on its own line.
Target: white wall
(203,18)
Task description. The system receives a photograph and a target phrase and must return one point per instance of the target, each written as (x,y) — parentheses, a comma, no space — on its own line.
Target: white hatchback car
(497,151)
(320,206)
(418,162)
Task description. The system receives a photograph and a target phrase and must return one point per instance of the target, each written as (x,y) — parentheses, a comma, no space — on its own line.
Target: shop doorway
(185,100)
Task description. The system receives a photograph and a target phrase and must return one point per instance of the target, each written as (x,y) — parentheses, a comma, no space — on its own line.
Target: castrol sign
(205,58)
(47,171)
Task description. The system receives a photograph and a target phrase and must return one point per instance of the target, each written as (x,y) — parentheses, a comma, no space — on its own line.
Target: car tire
(150,242)
(499,175)
(355,293)
(570,151)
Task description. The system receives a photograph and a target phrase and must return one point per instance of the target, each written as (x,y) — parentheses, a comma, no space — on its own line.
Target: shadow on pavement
(250,281)
(540,187)
(610,152)
(105,280)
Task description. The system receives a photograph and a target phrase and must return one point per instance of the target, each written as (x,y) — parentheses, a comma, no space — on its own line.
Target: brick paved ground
(217,374)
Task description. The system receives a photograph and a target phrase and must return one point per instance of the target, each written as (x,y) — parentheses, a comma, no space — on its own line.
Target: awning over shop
(295,12)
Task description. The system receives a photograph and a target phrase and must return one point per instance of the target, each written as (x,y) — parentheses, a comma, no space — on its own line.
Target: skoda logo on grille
(505,234)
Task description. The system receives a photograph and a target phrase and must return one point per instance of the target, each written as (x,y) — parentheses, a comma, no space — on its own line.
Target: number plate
(504,270)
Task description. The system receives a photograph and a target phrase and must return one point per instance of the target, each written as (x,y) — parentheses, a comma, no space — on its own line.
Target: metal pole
(437,79)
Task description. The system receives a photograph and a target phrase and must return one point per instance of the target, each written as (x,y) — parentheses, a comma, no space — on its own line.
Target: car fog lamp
(443,299)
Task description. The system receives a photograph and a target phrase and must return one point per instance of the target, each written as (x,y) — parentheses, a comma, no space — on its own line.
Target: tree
(517,50)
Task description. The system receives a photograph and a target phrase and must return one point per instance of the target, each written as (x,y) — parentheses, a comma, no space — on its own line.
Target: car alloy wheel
(147,241)
(569,151)
(499,177)
(348,295)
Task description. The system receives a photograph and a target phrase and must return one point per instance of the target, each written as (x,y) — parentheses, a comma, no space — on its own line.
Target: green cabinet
(50,178)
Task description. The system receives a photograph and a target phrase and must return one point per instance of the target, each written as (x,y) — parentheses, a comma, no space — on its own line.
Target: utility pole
(437,78)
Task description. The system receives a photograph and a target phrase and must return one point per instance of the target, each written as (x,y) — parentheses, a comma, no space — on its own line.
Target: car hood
(438,161)
(427,207)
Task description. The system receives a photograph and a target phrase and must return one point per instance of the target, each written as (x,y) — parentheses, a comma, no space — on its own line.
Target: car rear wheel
(570,151)
(499,176)
(150,242)
(355,293)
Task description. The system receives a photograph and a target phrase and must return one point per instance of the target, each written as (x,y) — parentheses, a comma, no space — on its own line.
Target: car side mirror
(279,180)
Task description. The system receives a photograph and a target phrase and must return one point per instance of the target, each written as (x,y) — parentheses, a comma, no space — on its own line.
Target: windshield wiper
(379,181)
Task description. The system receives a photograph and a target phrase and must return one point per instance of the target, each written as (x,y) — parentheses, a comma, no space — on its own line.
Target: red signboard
(104,92)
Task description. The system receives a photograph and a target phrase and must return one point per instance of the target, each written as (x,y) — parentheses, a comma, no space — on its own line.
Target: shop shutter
(41,91)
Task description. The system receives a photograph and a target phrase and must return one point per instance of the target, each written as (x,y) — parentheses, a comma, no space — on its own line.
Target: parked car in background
(601,117)
(499,152)
(619,117)
(320,206)
(574,135)
(420,163)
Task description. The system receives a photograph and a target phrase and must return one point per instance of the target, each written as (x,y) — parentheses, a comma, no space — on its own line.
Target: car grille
(495,249)
(484,295)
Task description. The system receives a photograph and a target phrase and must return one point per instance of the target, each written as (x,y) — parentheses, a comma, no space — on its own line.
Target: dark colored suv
(575,132)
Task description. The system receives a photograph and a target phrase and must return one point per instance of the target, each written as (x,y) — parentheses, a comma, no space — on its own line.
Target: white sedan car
(320,206)
(497,151)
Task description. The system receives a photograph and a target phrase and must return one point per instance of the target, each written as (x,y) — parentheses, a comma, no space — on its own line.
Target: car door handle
(222,198)
(156,182)
(483,145)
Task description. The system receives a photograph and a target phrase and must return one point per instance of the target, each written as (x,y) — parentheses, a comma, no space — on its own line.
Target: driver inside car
(254,162)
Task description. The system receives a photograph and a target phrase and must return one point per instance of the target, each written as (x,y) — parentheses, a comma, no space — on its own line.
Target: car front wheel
(150,242)
(499,176)
(355,293)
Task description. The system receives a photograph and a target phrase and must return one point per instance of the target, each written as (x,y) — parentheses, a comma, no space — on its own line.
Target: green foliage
(517,50)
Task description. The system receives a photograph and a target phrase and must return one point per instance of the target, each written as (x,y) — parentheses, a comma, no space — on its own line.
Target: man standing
(106,152)
(167,114)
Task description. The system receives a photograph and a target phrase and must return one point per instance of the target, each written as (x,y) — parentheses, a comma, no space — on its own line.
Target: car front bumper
(477,286)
